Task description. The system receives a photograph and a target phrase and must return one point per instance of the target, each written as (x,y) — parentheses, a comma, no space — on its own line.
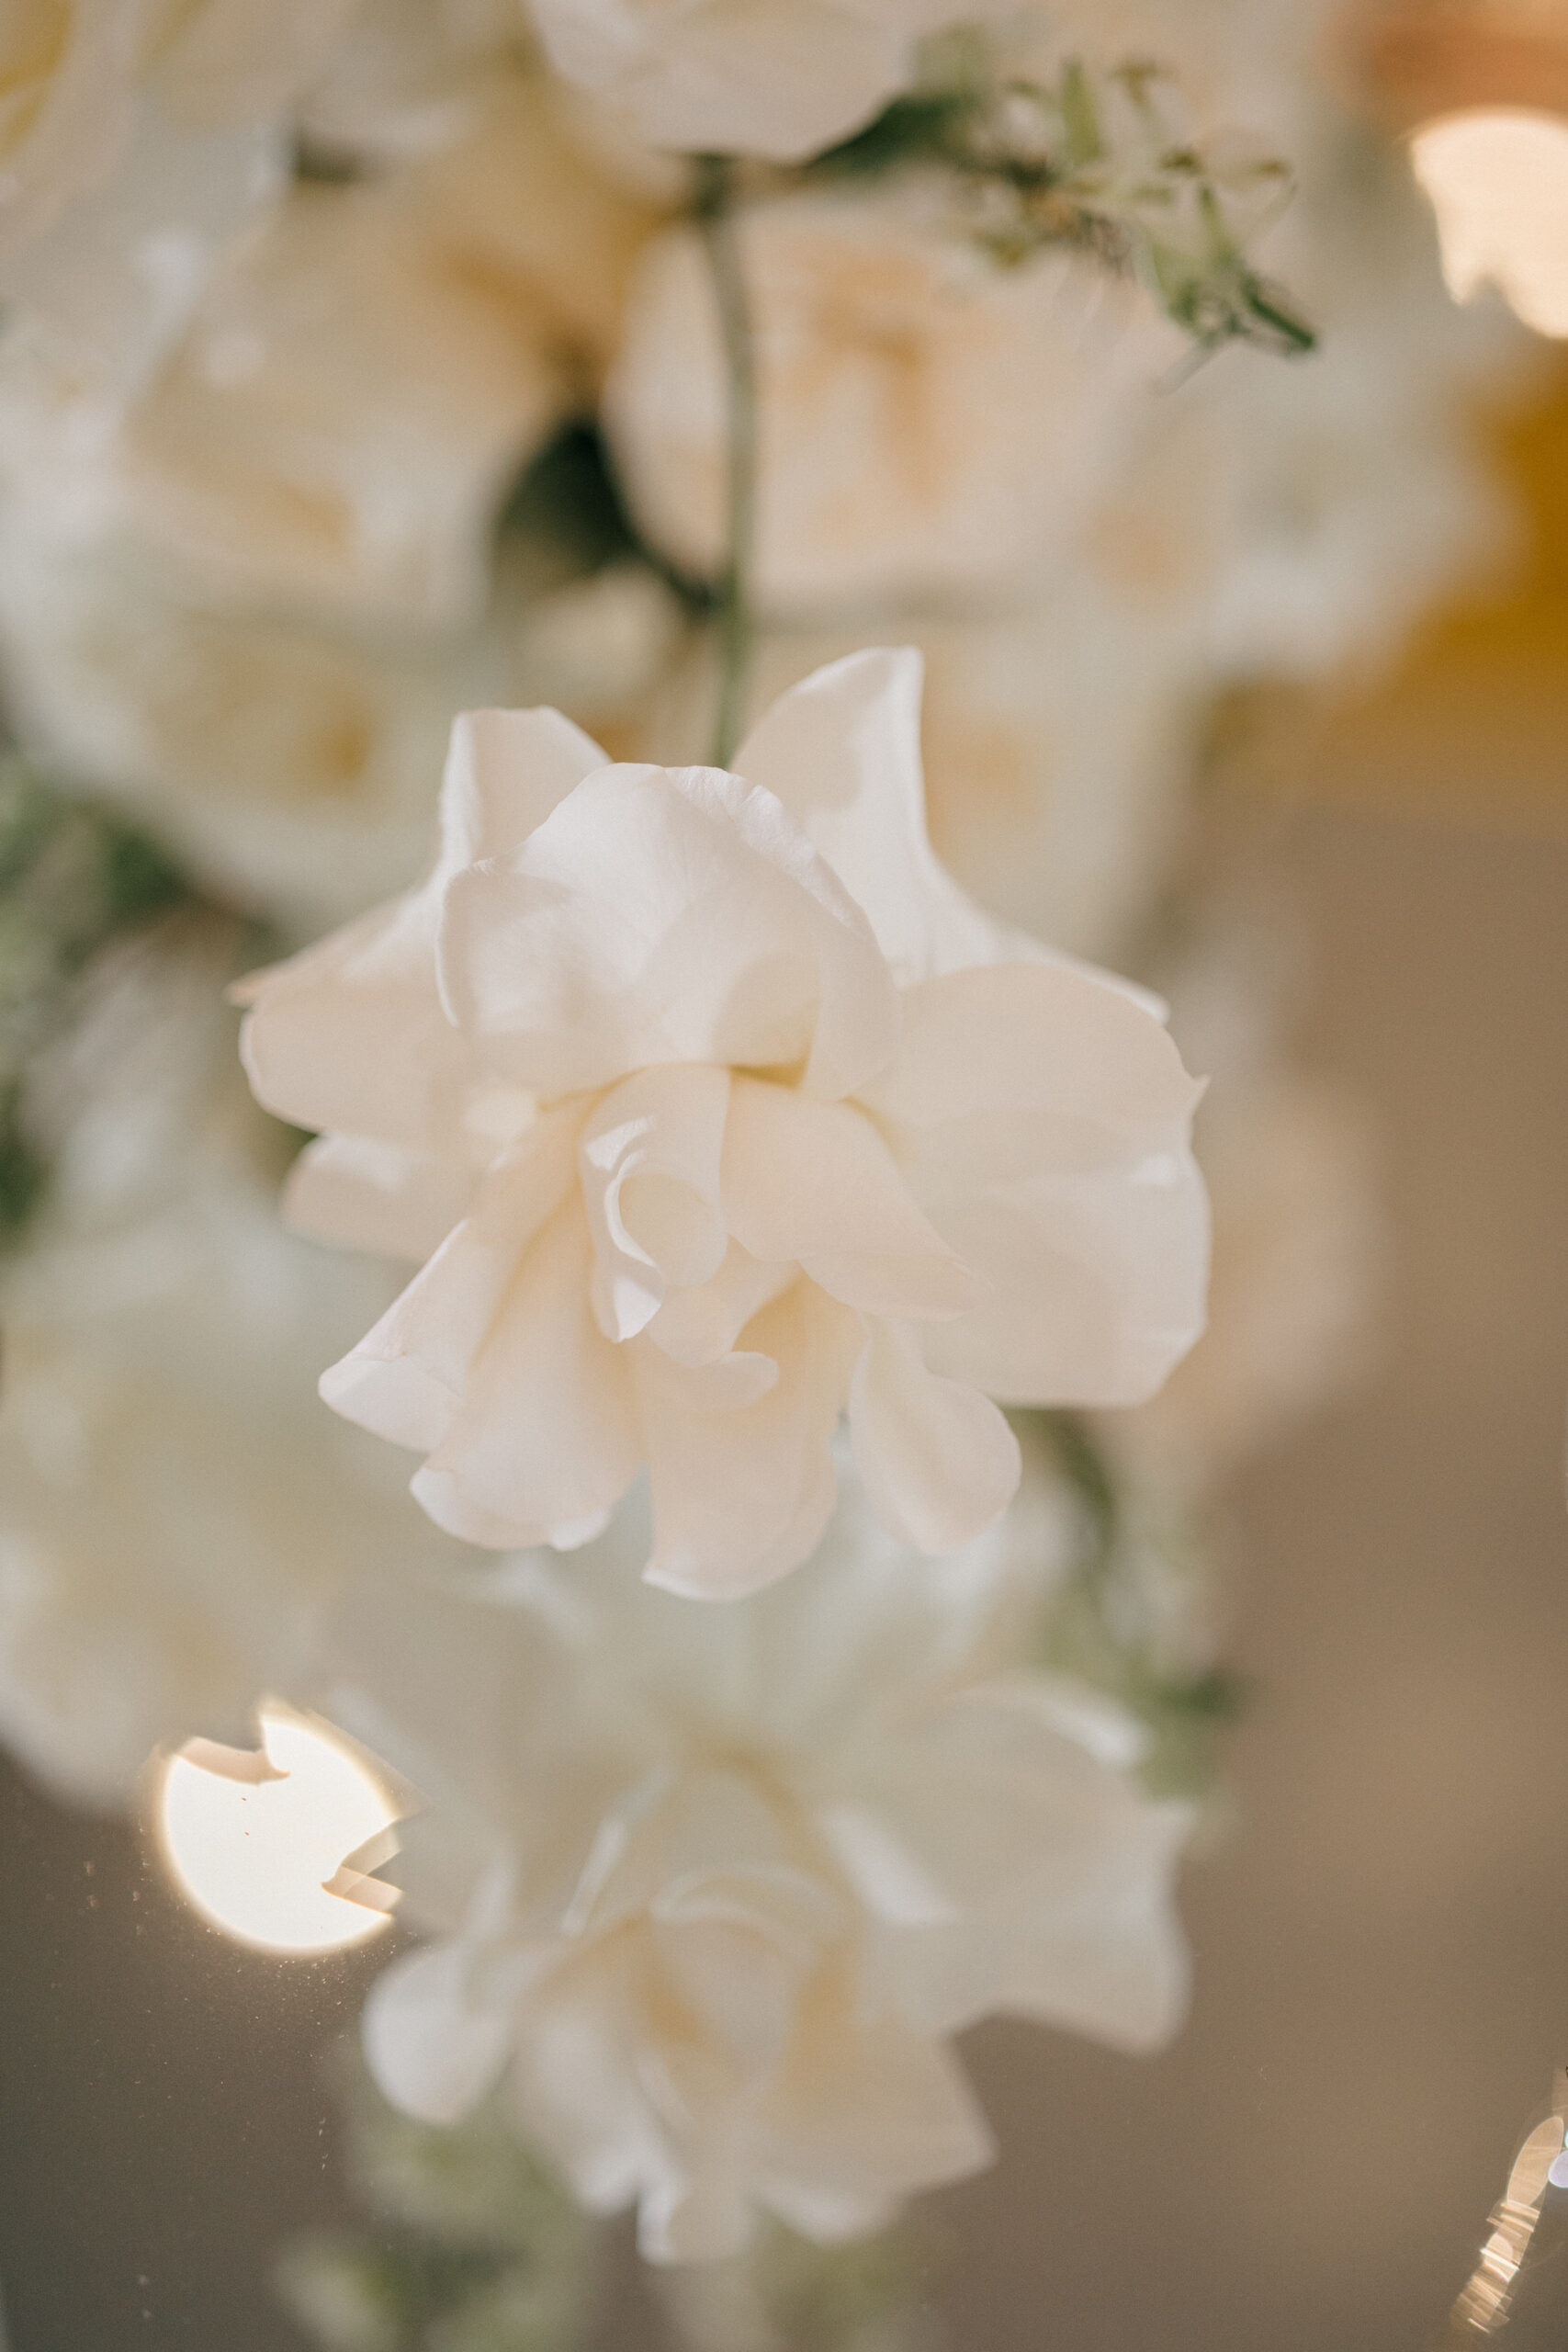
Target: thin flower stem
(733,615)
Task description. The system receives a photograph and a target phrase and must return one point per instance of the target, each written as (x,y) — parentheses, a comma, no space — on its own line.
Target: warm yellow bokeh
(1498,182)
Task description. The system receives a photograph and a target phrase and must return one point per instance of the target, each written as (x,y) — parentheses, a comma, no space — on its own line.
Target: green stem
(733,617)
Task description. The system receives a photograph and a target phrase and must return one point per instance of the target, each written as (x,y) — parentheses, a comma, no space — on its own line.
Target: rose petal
(815,1181)
(351,1033)
(937,1459)
(842,751)
(369,1195)
(866,2110)
(505,771)
(433,2050)
(697,1327)
(408,1376)
(545,1440)
(1040,1118)
(741,1496)
(664,915)
(649,1161)
(1053,1869)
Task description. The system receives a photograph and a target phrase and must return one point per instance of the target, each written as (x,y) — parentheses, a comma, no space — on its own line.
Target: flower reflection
(712,1889)
(253,1839)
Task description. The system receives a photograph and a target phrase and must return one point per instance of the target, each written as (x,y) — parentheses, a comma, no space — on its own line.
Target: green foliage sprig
(71,876)
(1098,164)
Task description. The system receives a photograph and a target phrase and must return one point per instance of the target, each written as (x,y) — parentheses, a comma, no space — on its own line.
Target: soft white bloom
(715,1887)
(287,761)
(926,420)
(781,79)
(174,1514)
(364,378)
(72,71)
(721,1109)
(135,137)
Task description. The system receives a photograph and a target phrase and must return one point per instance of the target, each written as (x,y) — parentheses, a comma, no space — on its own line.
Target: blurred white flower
(135,137)
(289,761)
(720,1108)
(781,79)
(713,1889)
(364,378)
(175,1510)
(1346,498)
(927,421)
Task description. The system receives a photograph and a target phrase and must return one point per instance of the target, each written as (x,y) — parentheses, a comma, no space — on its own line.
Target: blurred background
(1375,851)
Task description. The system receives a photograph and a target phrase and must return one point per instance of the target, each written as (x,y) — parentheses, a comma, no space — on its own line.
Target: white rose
(781,79)
(714,1889)
(927,421)
(288,763)
(364,381)
(135,137)
(173,1516)
(748,1114)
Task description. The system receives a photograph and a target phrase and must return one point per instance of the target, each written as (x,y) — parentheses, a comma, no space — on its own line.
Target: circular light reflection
(1498,182)
(253,1857)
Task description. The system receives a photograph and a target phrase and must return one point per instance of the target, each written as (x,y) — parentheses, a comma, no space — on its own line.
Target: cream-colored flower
(364,379)
(289,761)
(73,72)
(174,1514)
(716,1108)
(135,137)
(781,79)
(409,78)
(712,1890)
(928,422)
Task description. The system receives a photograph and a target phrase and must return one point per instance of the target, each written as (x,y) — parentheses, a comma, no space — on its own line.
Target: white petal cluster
(720,1109)
(787,1851)
(175,1512)
(780,79)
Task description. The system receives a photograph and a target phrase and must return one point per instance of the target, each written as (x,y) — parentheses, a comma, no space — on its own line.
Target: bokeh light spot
(1498,182)
(253,1856)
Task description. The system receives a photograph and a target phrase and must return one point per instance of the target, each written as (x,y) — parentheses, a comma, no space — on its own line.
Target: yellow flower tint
(33,41)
